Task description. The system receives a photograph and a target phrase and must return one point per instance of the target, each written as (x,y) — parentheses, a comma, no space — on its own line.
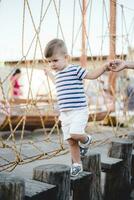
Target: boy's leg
(75,154)
(74,150)
(84,141)
(84,146)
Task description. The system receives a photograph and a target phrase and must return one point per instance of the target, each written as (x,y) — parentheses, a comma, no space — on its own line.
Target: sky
(97,18)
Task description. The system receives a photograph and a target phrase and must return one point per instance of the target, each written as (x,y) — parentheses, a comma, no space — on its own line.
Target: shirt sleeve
(81,72)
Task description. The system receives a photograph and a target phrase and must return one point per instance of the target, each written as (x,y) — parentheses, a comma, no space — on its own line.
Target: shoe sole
(76,174)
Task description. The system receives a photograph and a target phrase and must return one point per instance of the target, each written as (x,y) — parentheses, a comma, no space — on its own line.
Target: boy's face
(57,62)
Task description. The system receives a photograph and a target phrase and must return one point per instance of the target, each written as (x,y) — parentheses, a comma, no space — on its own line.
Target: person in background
(129,96)
(118,65)
(16,91)
(71,97)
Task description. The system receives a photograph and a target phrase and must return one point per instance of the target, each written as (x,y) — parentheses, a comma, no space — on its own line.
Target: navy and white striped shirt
(70,88)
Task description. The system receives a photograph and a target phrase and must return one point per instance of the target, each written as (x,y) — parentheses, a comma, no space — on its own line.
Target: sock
(86,140)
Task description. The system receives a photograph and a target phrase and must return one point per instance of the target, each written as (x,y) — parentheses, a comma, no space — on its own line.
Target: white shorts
(73,122)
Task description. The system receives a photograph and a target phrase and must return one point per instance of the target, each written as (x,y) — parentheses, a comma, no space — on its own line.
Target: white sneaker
(85,146)
(76,169)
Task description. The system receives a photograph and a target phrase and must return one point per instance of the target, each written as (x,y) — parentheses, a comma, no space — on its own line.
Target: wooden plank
(30,101)
(33,121)
(97,116)
(36,190)
(109,163)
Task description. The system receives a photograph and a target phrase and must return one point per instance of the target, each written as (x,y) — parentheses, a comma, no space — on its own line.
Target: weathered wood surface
(36,190)
(30,101)
(132,169)
(32,122)
(55,174)
(111,166)
(97,115)
(80,186)
(131,137)
(92,163)
(112,184)
(108,163)
(122,149)
(34,117)
(109,120)
(11,188)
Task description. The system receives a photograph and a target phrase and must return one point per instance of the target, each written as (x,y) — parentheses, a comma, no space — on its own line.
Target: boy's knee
(77,136)
(72,142)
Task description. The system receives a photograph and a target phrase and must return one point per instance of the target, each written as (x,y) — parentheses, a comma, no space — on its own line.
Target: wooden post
(111,167)
(131,137)
(132,170)
(80,186)
(92,163)
(55,174)
(122,149)
(112,44)
(83,58)
(11,188)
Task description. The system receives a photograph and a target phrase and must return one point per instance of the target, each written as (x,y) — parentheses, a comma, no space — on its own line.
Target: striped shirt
(70,88)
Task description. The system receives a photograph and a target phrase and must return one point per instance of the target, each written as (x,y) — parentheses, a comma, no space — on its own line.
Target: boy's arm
(97,72)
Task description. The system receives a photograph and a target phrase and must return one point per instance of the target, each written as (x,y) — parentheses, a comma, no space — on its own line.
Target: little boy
(71,99)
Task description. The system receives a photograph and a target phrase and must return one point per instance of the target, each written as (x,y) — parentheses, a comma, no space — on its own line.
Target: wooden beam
(112,39)
(83,58)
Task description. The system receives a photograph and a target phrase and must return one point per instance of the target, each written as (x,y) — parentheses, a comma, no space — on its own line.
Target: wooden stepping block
(80,186)
(55,174)
(36,190)
(109,163)
(11,188)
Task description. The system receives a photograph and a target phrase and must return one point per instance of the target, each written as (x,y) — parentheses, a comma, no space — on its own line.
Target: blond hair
(55,46)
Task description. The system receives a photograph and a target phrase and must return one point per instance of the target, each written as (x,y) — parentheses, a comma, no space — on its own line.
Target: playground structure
(32,113)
